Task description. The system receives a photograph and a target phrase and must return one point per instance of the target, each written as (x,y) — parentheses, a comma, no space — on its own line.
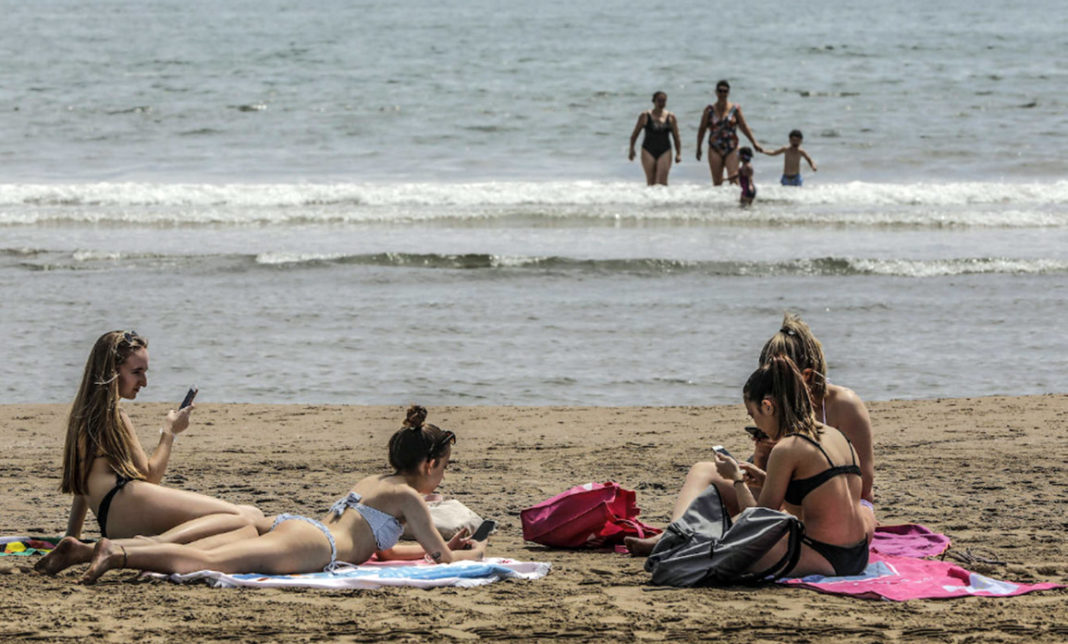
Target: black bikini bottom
(846,560)
(105,504)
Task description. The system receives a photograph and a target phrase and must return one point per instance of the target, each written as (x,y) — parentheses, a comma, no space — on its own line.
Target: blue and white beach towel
(375,574)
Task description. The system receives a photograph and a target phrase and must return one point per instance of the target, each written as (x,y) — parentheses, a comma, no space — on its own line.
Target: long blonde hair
(95,425)
(780,380)
(795,341)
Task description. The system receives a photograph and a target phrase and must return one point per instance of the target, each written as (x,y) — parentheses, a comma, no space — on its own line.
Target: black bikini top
(798,489)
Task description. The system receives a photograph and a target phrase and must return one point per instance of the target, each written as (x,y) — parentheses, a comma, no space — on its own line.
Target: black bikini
(846,560)
(656,140)
(105,504)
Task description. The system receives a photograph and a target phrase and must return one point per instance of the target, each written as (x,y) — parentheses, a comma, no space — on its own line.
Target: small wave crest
(505,264)
(856,203)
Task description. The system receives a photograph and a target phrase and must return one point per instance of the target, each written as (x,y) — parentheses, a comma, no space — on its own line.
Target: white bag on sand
(449,517)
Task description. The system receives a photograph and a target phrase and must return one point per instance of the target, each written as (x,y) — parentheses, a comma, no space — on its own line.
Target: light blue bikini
(385,527)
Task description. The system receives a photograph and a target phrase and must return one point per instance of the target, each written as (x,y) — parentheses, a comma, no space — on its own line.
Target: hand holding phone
(484,530)
(722,450)
(189,396)
(757,433)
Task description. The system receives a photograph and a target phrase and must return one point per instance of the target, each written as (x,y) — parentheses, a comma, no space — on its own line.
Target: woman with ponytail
(107,470)
(812,472)
(419,453)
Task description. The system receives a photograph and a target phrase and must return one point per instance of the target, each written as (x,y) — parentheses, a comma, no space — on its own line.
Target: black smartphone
(756,433)
(189,396)
(722,450)
(484,530)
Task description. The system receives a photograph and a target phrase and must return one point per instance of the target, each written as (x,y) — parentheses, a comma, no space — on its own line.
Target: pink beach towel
(904,578)
(908,540)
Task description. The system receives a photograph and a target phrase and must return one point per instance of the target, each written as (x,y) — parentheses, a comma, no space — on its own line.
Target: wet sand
(989,472)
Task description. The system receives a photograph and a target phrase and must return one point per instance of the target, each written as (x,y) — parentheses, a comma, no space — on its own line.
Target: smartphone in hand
(722,450)
(189,396)
(756,433)
(484,530)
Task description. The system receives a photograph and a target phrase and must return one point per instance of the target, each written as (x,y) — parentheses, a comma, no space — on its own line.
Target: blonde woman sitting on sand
(833,405)
(418,452)
(107,470)
(812,471)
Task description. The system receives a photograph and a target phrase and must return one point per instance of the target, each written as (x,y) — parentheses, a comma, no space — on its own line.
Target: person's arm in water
(809,159)
(76,520)
(675,135)
(642,118)
(744,127)
(702,129)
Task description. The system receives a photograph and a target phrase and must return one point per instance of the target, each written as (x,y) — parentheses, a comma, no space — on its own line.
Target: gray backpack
(703,547)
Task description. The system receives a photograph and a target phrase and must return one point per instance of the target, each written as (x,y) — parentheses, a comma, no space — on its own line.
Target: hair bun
(415,417)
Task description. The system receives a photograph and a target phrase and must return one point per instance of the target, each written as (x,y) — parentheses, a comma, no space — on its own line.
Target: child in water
(745,176)
(791,171)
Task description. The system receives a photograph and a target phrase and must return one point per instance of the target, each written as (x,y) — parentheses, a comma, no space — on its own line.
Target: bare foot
(106,555)
(641,546)
(68,552)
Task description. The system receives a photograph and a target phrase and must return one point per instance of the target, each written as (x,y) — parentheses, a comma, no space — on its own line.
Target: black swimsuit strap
(818,446)
(105,504)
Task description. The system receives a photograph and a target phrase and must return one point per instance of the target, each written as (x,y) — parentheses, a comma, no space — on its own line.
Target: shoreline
(989,472)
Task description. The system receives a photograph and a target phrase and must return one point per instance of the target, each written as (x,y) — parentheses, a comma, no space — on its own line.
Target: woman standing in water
(658,124)
(721,120)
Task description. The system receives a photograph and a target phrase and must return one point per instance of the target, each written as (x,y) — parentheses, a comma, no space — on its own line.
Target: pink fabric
(593,514)
(904,578)
(908,540)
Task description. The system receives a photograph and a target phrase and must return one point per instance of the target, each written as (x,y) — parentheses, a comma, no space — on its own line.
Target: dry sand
(989,472)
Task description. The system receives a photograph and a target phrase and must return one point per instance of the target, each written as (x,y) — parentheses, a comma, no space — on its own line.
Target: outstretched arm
(747,132)
(642,118)
(417,514)
(809,159)
(775,153)
(76,520)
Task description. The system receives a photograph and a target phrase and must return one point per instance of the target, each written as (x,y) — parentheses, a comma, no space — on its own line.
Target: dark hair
(796,341)
(780,381)
(796,133)
(417,441)
(723,83)
(658,93)
(745,153)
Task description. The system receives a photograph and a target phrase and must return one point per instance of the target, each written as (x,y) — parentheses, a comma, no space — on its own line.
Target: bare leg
(143,508)
(649,165)
(715,166)
(68,552)
(731,164)
(294,547)
(701,475)
(663,166)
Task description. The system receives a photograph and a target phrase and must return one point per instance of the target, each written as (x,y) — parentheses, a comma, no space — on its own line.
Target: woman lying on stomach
(365,522)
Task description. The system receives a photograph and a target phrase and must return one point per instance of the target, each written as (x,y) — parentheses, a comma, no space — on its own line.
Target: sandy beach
(989,472)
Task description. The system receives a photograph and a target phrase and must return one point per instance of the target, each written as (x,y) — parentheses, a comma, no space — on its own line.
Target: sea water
(384,203)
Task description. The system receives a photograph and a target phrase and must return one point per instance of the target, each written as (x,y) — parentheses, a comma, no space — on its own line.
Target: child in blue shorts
(791,172)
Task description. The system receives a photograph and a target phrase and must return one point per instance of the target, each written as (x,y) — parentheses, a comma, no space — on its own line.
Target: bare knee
(704,473)
(250,512)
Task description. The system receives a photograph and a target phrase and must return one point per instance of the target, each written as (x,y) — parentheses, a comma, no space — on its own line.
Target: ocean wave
(650,267)
(498,193)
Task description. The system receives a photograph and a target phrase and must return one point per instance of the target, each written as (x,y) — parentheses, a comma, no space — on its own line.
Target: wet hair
(780,381)
(745,153)
(796,133)
(655,94)
(417,441)
(95,425)
(723,83)
(795,341)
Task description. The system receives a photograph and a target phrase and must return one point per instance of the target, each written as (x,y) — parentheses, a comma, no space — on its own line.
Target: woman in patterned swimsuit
(721,119)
